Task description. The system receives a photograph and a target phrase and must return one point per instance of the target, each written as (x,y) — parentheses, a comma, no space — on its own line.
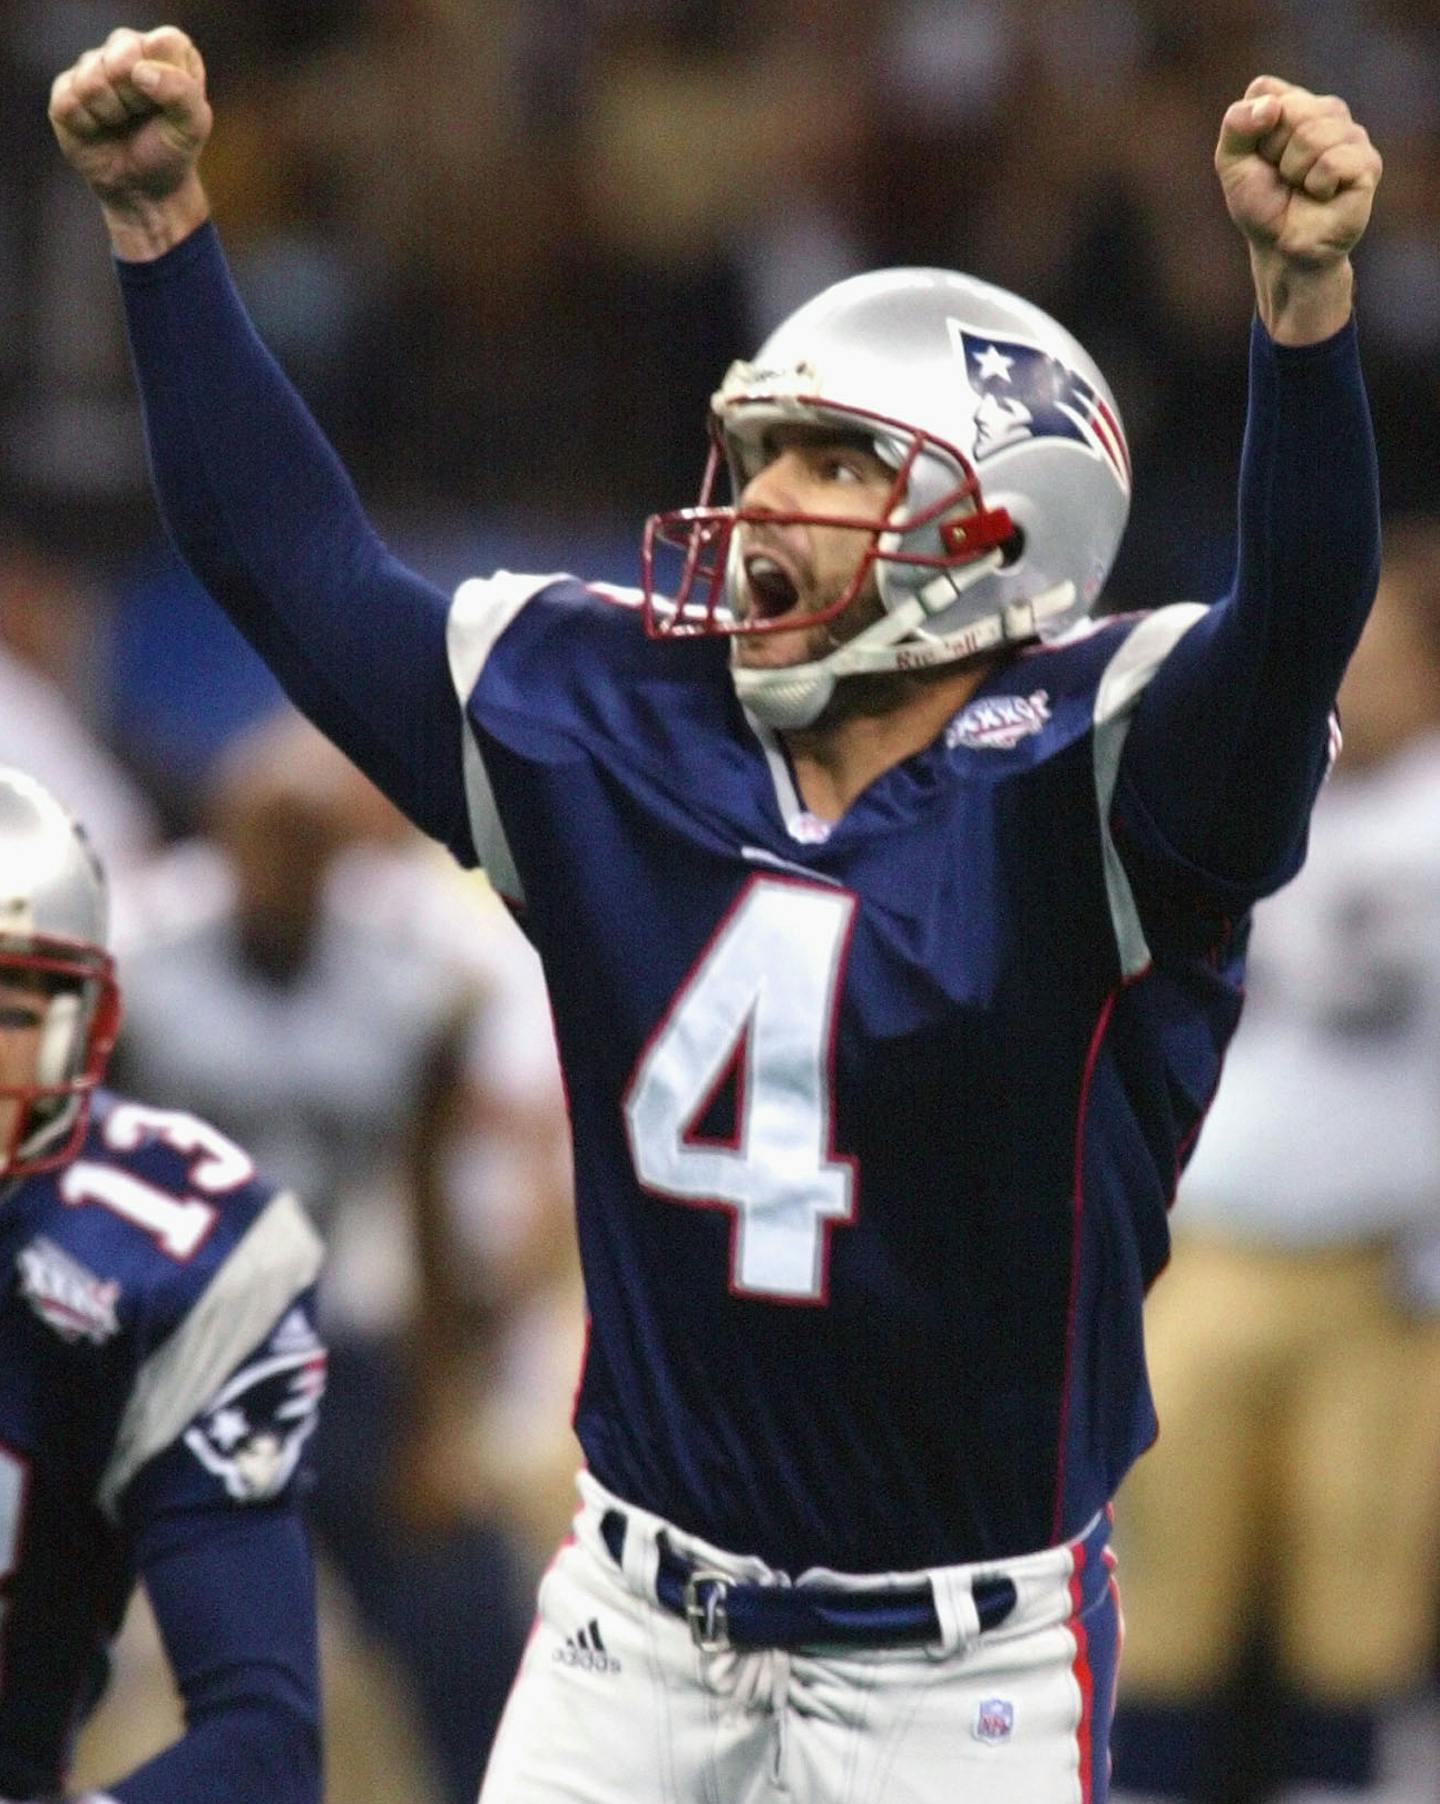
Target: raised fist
(1299,174)
(132,116)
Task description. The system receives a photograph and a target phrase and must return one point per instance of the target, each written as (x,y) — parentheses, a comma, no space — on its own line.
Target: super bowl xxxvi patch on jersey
(253,1431)
(66,1295)
(1000,721)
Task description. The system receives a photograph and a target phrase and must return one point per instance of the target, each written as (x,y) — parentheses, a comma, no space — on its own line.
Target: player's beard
(808,643)
(860,694)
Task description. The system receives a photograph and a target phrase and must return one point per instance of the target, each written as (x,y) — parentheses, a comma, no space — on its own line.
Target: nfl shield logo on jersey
(994,1719)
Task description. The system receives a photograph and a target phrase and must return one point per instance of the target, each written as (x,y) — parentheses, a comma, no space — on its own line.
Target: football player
(894,919)
(159,1378)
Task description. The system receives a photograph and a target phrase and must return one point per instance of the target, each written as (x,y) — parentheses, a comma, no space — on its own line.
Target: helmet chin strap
(56,1061)
(789,697)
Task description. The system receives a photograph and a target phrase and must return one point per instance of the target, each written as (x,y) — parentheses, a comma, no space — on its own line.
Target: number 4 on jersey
(762,1001)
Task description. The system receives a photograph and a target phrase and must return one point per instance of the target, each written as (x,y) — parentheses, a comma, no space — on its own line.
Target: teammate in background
(1295,1344)
(161,1378)
(298,977)
(893,935)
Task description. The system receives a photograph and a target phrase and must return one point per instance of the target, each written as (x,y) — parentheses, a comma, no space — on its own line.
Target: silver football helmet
(53,931)
(1012,478)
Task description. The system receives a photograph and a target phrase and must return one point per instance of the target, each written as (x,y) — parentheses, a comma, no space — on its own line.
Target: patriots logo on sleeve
(254,1430)
(1019,392)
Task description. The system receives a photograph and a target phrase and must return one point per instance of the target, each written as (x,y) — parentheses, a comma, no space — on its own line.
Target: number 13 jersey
(876,1123)
(159,1365)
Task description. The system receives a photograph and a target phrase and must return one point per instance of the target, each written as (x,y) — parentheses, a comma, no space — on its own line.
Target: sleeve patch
(253,1431)
(66,1295)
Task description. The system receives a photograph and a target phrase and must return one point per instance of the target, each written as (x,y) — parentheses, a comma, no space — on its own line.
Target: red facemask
(697,604)
(76,1052)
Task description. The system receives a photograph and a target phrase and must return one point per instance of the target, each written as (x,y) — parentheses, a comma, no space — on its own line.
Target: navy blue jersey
(875,1125)
(157,1357)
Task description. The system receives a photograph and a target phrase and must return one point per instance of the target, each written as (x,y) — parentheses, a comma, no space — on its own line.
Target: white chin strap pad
(56,1061)
(788,697)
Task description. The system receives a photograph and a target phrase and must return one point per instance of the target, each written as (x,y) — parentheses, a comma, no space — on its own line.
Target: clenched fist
(133,118)
(1299,177)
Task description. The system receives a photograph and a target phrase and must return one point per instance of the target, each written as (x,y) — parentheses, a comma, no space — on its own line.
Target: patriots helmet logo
(252,1433)
(1018,392)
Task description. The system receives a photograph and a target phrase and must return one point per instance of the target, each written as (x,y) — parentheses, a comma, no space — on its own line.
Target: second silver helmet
(54,964)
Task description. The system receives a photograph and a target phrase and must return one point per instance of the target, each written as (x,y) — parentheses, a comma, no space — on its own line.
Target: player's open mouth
(773,590)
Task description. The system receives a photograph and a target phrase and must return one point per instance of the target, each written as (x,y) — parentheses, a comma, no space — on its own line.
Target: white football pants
(615,1704)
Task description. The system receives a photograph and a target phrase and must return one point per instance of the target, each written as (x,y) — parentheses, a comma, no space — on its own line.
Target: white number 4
(762,1001)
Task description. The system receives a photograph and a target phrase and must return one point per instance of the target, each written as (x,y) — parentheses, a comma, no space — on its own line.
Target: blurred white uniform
(326,1072)
(1326,1131)
(1294,1346)
(334,1068)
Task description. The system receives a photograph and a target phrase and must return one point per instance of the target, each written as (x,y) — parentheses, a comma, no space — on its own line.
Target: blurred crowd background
(505,248)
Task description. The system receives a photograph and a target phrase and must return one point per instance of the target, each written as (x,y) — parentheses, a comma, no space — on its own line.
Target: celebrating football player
(161,1377)
(894,917)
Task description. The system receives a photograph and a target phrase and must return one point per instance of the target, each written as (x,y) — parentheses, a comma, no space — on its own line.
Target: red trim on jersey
(1077,1201)
(616,594)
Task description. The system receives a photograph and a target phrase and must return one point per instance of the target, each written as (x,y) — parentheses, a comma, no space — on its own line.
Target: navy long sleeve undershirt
(1230,740)
(233,1594)
(263,512)
(1228,743)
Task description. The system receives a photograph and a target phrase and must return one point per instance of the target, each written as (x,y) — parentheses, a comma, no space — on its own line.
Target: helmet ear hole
(1012,549)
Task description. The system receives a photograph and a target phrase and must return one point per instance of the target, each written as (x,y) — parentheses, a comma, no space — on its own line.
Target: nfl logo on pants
(994,1719)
